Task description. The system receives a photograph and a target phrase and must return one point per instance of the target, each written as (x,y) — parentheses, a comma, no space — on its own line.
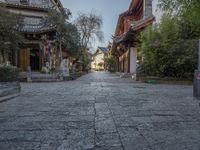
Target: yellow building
(99,59)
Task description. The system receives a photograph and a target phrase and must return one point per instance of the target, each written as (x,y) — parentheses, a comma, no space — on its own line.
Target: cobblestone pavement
(100,111)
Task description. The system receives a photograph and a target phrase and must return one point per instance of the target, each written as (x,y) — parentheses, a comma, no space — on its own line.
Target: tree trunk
(60,55)
(3,56)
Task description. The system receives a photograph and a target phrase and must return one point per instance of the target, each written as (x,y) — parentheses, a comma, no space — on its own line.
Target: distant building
(130,23)
(99,59)
(39,45)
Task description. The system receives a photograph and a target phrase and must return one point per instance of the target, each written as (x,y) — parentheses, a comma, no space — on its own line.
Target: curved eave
(135,9)
(143,23)
(130,35)
(60,6)
(39,31)
(119,22)
(125,38)
(34,7)
(134,6)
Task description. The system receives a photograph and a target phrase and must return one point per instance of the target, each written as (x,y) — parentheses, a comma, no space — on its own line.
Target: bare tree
(89,26)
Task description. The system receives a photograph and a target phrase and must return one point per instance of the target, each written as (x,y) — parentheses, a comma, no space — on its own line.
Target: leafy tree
(72,40)
(89,26)
(187,12)
(67,33)
(9,35)
(100,64)
(111,63)
(58,20)
(170,48)
(165,52)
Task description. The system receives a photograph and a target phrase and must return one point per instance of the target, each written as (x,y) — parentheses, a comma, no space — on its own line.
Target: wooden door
(24,58)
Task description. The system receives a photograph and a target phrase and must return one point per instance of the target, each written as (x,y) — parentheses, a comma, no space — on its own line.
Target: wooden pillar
(129,61)
(16,57)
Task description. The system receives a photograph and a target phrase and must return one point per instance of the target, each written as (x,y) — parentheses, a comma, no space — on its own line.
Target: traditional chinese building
(38,46)
(130,24)
(99,58)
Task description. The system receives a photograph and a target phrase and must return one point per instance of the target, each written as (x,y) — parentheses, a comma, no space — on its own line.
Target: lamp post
(197,77)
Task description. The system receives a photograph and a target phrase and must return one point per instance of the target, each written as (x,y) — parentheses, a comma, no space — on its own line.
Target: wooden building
(130,23)
(38,46)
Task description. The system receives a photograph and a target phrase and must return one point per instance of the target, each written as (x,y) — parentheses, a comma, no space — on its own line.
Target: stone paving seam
(94,124)
(148,144)
(115,125)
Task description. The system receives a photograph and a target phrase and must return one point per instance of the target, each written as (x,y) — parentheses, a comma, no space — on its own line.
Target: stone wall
(197,84)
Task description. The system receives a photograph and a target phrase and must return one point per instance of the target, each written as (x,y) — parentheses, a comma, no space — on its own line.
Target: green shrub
(8,73)
(111,64)
(165,53)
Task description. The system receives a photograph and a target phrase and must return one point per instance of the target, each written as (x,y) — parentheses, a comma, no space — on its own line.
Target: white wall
(98,59)
(133,60)
(157,12)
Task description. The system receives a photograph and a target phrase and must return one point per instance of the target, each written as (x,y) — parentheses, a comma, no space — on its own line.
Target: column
(197,78)
(133,60)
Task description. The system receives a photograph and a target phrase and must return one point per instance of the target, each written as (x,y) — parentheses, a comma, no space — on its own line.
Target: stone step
(44,80)
(51,79)
(126,75)
(38,77)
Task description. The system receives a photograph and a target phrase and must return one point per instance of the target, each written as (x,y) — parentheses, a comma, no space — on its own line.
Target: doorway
(35,59)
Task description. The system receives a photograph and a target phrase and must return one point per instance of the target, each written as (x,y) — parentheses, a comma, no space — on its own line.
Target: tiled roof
(39,7)
(137,25)
(103,49)
(40,28)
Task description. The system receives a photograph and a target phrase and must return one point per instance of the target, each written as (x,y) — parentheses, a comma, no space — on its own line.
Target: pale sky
(108,9)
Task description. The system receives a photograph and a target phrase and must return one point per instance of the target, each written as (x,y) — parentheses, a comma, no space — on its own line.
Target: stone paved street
(100,111)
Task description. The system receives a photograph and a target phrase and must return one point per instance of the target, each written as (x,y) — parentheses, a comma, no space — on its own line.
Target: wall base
(197,84)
